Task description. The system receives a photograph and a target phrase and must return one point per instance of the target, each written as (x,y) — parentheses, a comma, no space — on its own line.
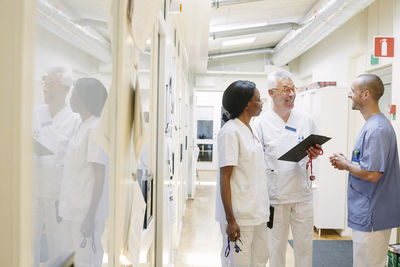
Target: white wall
(218,82)
(330,59)
(16,53)
(346,52)
(247,63)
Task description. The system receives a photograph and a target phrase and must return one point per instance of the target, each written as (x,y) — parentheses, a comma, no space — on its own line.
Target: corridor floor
(200,243)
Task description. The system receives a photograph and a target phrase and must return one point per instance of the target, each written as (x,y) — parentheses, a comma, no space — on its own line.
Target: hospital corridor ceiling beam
(324,18)
(329,16)
(85,38)
(241,53)
(219,3)
(254,30)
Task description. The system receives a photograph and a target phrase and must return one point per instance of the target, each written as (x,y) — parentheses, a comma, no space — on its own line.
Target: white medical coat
(287,181)
(78,178)
(238,147)
(55,134)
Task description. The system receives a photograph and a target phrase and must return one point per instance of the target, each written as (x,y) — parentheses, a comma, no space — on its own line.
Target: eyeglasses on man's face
(286,90)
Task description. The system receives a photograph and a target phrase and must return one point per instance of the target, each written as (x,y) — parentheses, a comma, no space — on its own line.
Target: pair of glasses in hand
(238,246)
(84,242)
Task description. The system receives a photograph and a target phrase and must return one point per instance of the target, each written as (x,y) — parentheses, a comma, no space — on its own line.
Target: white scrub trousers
(370,248)
(254,251)
(44,211)
(298,216)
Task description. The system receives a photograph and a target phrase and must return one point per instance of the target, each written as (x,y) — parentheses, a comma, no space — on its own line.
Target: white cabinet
(329,107)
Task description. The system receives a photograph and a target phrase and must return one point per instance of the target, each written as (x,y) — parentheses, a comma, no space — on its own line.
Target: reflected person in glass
(53,126)
(84,187)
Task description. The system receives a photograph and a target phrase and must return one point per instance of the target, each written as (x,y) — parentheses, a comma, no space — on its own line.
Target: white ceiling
(199,18)
(249,14)
(193,23)
(88,9)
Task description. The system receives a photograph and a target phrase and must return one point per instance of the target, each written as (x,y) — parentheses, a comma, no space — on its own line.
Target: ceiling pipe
(253,30)
(329,17)
(241,53)
(84,38)
(219,3)
(92,22)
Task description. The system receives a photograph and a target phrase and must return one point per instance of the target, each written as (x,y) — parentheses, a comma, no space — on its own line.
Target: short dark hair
(92,93)
(236,97)
(373,84)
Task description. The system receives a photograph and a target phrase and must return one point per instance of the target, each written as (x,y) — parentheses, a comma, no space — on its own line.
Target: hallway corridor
(201,239)
(200,242)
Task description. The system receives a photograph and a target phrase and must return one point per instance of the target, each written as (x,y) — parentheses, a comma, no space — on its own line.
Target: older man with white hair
(279,129)
(54,124)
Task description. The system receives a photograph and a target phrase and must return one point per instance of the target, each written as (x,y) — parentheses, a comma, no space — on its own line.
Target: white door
(207,125)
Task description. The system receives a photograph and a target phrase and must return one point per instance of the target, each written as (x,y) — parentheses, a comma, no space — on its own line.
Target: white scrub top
(55,134)
(287,181)
(238,147)
(78,179)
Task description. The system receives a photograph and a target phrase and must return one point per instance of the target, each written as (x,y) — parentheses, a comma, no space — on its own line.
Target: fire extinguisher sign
(383,46)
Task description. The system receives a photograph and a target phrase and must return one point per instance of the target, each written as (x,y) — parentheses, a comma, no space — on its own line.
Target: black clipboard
(298,152)
(41,150)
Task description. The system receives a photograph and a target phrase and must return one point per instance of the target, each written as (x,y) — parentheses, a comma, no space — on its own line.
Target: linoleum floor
(201,241)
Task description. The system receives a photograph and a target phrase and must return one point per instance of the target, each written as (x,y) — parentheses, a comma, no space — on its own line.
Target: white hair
(273,77)
(64,76)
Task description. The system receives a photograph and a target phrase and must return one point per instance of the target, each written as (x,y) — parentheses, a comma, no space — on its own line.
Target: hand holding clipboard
(299,151)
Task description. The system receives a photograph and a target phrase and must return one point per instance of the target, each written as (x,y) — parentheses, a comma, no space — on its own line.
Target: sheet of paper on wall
(140,136)
(136,225)
(143,13)
(298,152)
(171,205)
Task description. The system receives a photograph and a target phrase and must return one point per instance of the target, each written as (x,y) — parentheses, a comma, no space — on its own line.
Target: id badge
(355,156)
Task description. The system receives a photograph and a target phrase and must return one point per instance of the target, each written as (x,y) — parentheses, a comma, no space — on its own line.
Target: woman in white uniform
(242,206)
(84,187)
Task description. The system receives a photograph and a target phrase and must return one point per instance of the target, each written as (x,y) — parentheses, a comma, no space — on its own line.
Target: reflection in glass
(54,124)
(145,179)
(70,181)
(206,152)
(83,202)
(204,129)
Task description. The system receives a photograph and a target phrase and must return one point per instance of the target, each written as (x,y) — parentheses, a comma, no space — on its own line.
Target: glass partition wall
(71,170)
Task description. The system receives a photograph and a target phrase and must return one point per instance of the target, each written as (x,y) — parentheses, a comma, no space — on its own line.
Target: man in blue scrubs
(374,176)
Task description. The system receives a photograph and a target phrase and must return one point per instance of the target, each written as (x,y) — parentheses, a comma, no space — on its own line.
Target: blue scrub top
(375,206)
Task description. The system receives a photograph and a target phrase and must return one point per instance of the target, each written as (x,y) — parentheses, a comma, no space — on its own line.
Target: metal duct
(218,3)
(253,30)
(329,17)
(85,38)
(241,53)
(92,22)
